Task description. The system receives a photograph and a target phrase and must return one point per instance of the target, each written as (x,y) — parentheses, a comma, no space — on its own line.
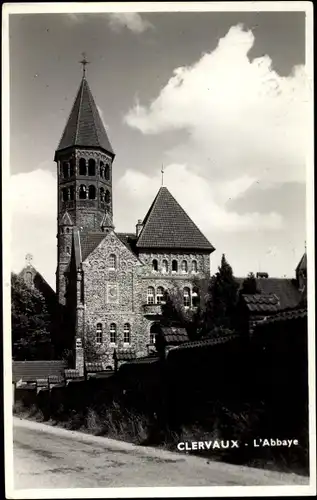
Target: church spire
(84,63)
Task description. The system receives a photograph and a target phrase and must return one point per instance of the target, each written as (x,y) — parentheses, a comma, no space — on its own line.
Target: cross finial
(162,172)
(84,62)
(28,259)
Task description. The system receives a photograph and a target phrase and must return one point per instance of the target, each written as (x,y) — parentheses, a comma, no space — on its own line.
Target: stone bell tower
(84,159)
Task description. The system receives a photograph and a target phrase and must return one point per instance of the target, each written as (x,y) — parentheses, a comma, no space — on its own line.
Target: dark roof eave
(65,150)
(210,249)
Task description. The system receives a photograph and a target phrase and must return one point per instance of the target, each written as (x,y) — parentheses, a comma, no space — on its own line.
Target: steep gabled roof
(167,225)
(284,288)
(90,241)
(66,219)
(302,265)
(84,127)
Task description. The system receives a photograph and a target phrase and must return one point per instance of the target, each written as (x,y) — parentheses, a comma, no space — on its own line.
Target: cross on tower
(28,259)
(84,62)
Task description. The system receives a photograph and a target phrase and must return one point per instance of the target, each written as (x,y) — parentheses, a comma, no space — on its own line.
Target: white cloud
(131,20)
(243,118)
(196,195)
(33,209)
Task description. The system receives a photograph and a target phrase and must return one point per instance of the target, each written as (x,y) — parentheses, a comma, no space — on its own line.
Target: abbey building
(112,284)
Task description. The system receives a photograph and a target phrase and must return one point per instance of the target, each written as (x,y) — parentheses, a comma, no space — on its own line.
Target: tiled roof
(94,367)
(174,334)
(71,373)
(126,354)
(284,288)
(285,316)
(129,240)
(261,302)
(30,371)
(84,127)
(204,342)
(90,241)
(167,225)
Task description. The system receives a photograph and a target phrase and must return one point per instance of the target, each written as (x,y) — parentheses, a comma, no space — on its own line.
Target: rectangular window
(126,333)
(99,333)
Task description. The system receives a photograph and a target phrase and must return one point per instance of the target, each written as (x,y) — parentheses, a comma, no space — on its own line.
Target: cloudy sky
(220,99)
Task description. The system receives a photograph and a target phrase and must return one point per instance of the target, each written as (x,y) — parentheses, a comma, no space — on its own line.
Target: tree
(30,322)
(222,298)
(249,286)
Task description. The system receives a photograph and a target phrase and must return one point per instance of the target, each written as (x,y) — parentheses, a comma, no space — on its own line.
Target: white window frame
(111,331)
(152,289)
(112,257)
(99,332)
(125,330)
(161,295)
(186,298)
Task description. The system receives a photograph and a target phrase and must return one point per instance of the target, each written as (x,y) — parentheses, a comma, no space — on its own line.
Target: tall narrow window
(165,266)
(107,196)
(82,166)
(184,266)
(186,297)
(92,192)
(113,333)
(174,266)
(71,193)
(107,172)
(195,297)
(194,266)
(82,192)
(68,250)
(65,169)
(28,278)
(102,169)
(159,295)
(150,295)
(154,330)
(102,194)
(126,333)
(112,261)
(71,167)
(91,167)
(99,333)
(65,194)
(154,265)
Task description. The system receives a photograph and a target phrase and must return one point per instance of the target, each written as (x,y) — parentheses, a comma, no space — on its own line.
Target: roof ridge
(81,88)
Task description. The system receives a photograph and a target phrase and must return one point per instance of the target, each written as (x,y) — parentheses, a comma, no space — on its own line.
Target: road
(51,457)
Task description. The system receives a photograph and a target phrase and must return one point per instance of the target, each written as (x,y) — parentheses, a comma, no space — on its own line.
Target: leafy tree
(30,322)
(249,286)
(222,298)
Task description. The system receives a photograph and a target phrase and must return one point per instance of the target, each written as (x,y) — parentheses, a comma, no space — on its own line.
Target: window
(126,333)
(186,297)
(28,278)
(112,261)
(194,266)
(154,330)
(184,266)
(71,167)
(82,166)
(68,250)
(107,172)
(159,295)
(92,192)
(65,194)
(150,295)
(102,194)
(113,333)
(99,333)
(174,266)
(164,266)
(65,169)
(67,230)
(154,265)
(72,193)
(91,167)
(107,196)
(82,192)
(195,297)
(102,171)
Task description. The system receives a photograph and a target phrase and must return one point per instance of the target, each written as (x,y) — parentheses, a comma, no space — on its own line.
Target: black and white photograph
(158,200)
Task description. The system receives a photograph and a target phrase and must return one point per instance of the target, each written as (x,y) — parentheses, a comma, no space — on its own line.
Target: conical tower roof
(84,127)
(167,225)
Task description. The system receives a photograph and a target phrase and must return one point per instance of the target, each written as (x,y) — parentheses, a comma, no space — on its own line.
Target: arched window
(92,192)
(102,169)
(71,193)
(186,297)
(113,333)
(126,333)
(195,297)
(154,330)
(71,167)
(174,266)
(68,250)
(164,266)
(150,295)
(184,266)
(91,167)
(154,265)
(99,333)
(112,261)
(64,194)
(107,196)
(159,295)
(65,169)
(102,194)
(82,166)
(82,192)
(107,172)
(194,266)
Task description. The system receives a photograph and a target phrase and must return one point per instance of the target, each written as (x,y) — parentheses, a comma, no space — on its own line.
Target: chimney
(139,228)
(262,275)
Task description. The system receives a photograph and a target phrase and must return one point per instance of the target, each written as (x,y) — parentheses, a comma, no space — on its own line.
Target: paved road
(50,457)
